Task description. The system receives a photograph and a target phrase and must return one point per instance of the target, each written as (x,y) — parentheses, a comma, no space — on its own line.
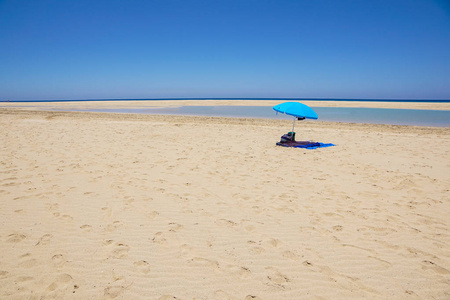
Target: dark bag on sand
(288,137)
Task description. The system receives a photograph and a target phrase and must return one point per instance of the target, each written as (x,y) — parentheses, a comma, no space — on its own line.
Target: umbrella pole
(293,124)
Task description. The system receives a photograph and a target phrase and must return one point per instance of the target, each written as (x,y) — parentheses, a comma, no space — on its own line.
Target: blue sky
(378,49)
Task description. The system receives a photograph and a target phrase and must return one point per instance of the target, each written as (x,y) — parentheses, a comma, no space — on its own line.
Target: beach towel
(305,144)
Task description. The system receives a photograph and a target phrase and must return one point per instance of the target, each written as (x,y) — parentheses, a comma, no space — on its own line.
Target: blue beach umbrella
(297,110)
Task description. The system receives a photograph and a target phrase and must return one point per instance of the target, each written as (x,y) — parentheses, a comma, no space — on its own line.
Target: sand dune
(104,206)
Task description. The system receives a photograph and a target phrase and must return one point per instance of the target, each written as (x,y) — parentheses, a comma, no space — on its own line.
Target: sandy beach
(123,206)
(86,105)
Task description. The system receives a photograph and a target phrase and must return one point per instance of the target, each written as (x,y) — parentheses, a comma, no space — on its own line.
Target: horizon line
(232,98)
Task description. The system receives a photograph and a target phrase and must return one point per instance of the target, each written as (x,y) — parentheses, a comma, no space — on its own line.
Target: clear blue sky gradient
(83,49)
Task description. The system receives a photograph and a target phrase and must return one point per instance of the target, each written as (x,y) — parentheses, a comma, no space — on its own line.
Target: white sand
(176,103)
(102,206)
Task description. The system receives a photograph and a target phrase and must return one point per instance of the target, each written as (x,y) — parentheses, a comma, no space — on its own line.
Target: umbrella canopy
(296,109)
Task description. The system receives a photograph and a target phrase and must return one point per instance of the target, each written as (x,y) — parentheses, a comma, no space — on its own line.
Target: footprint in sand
(107,211)
(115,225)
(427,264)
(142,266)
(61,282)
(58,260)
(52,206)
(15,238)
(152,215)
(119,250)
(250,228)
(276,278)
(3,274)
(10,184)
(199,261)
(45,239)
(241,272)
(26,261)
(54,209)
(257,209)
(114,291)
(128,202)
(66,218)
(274,243)
(409,292)
(29,263)
(257,250)
(174,227)
(159,238)
(225,222)
(86,228)
(338,228)
(290,255)
(186,249)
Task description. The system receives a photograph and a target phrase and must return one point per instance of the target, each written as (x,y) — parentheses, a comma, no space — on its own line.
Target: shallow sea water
(436,118)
